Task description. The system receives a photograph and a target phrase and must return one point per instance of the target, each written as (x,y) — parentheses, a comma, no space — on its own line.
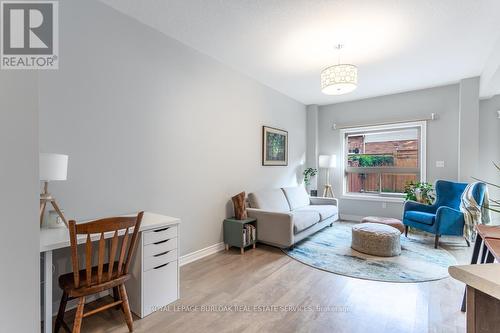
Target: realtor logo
(29,33)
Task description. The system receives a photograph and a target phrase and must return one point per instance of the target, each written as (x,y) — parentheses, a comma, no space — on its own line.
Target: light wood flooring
(265,276)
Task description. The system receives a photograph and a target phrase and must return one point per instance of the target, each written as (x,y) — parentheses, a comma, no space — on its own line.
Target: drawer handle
(160,230)
(161,254)
(161,266)
(161,242)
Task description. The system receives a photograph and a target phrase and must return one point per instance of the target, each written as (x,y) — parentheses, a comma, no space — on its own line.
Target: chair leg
(126,308)
(436,241)
(484,252)
(464,301)
(116,297)
(60,313)
(474,260)
(490,258)
(406,231)
(79,315)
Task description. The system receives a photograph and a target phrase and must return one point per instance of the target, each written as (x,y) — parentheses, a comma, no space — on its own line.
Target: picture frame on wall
(274,146)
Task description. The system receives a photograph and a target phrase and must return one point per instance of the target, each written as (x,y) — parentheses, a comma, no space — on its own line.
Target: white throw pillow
(270,200)
(297,196)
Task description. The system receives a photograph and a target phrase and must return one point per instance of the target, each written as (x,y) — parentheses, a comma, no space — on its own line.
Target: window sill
(371,198)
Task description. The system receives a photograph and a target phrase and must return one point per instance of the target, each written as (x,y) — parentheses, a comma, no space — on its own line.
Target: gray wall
(468,138)
(489,145)
(151,124)
(442,136)
(19,201)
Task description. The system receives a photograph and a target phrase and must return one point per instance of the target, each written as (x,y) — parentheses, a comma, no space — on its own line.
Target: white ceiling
(397,45)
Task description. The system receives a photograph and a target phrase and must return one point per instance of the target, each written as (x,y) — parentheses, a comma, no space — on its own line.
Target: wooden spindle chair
(106,275)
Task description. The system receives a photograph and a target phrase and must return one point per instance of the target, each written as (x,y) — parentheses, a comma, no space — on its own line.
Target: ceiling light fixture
(339,79)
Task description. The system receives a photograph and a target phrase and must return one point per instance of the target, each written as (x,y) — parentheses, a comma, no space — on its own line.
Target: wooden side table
(234,233)
(485,256)
(483,296)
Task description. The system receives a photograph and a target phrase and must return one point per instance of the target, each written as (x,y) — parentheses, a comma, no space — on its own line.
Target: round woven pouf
(376,239)
(385,220)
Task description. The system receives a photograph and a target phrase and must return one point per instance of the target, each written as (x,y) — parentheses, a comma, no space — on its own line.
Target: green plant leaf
(480,180)
(494,210)
(495,201)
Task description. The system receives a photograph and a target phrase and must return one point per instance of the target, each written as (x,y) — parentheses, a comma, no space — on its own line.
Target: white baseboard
(197,255)
(348,217)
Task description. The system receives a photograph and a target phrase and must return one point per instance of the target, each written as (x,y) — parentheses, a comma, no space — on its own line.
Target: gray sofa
(288,215)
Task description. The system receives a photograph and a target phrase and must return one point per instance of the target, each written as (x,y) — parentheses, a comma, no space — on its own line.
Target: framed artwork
(274,146)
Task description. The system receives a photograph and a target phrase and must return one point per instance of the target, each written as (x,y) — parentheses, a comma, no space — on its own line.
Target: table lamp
(52,167)
(327,162)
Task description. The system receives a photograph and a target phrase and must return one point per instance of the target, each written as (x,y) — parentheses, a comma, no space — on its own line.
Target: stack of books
(249,234)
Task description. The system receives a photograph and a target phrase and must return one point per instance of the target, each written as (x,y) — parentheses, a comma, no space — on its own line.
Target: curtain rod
(336,127)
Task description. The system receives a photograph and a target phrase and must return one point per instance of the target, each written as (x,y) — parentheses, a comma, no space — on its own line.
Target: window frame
(387,197)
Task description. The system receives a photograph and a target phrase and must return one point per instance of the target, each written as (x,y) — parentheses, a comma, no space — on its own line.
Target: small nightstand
(234,233)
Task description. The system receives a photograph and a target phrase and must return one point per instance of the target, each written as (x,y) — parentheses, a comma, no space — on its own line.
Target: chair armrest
(273,227)
(449,220)
(323,201)
(413,205)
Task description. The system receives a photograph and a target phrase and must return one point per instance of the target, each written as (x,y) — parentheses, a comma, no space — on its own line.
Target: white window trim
(422,158)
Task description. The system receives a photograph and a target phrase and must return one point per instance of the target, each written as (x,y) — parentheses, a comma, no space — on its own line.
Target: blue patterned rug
(330,250)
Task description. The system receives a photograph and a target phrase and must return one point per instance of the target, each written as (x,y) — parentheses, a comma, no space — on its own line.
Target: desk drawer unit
(162,277)
(155,271)
(160,247)
(159,260)
(158,235)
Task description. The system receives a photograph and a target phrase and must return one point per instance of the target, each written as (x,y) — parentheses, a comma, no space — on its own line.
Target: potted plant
(308,174)
(420,192)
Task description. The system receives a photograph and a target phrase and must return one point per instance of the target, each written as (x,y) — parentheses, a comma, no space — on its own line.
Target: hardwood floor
(267,277)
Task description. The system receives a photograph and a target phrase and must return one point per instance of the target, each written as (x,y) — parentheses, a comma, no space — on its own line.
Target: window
(378,161)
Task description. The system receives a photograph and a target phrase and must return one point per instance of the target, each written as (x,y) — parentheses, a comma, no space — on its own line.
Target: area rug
(330,250)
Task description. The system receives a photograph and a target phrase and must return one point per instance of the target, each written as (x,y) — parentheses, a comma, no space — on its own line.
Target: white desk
(58,238)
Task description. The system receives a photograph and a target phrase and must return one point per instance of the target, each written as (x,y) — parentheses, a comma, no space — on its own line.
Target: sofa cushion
(297,196)
(421,217)
(270,200)
(324,211)
(303,219)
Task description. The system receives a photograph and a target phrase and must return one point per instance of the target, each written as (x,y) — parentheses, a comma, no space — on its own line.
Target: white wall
(19,246)
(489,141)
(151,124)
(442,136)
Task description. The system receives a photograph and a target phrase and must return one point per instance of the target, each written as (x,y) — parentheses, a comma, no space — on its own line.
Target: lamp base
(43,204)
(45,198)
(327,192)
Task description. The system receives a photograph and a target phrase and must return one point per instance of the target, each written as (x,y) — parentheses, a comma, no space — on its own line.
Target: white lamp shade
(327,161)
(53,167)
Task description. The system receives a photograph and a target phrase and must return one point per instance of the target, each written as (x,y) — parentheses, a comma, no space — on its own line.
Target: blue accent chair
(444,216)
